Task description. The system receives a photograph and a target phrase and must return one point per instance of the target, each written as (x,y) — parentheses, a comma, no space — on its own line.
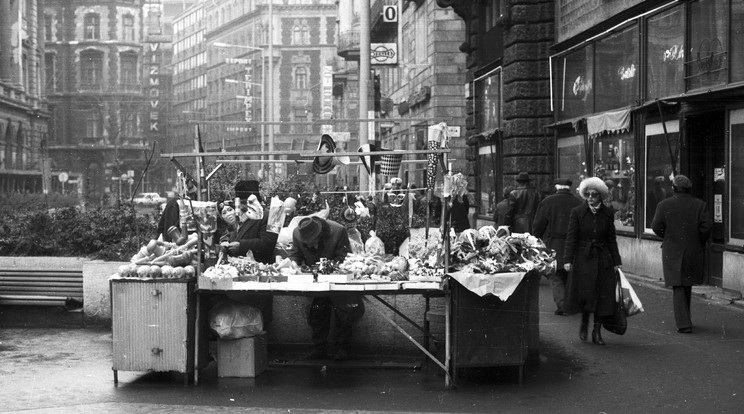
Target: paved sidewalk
(712,293)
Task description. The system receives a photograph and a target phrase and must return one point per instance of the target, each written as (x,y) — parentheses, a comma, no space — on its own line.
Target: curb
(712,293)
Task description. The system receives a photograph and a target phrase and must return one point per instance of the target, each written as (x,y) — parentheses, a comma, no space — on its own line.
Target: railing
(348,45)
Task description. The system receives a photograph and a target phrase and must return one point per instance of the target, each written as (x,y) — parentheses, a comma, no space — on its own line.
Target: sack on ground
(631,302)
(231,320)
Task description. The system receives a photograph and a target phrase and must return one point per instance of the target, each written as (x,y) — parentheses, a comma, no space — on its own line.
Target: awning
(612,122)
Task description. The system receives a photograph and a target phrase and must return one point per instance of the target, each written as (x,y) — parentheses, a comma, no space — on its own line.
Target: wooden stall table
(369,290)
(495,319)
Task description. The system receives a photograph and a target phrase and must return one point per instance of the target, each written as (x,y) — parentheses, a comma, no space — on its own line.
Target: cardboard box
(244,358)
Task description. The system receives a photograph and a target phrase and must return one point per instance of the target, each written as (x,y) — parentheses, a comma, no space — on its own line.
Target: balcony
(348,45)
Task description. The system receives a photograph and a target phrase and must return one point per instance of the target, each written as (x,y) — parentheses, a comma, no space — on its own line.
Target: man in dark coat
(522,205)
(551,225)
(313,239)
(684,224)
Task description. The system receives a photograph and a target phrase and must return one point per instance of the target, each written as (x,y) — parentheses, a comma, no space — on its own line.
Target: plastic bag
(231,320)
(374,245)
(630,300)
(276,215)
(355,241)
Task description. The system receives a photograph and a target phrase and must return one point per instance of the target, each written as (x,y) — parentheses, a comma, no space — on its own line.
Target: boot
(597,334)
(584,326)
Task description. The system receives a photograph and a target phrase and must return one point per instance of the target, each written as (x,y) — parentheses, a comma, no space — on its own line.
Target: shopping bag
(631,303)
(617,323)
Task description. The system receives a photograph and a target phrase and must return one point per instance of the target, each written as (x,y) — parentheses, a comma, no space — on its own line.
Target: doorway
(706,163)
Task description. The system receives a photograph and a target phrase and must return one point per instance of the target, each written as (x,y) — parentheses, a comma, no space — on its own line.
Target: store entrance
(706,162)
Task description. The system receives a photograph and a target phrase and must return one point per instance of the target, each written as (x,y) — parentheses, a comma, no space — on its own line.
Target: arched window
(92,26)
(301,78)
(48,27)
(300,33)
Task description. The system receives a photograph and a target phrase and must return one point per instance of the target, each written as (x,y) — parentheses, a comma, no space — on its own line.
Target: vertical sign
(152,62)
(248,100)
(327,100)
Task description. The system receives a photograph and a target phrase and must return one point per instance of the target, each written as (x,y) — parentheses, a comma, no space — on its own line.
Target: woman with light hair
(591,258)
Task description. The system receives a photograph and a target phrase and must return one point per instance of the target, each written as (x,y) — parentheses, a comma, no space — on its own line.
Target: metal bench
(40,287)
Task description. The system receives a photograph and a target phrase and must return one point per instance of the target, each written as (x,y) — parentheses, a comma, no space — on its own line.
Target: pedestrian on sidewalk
(551,225)
(591,259)
(683,222)
(522,205)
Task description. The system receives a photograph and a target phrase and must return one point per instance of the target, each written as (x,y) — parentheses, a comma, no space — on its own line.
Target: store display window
(614,162)
(707,63)
(617,70)
(488,173)
(488,100)
(574,81)
(737,41)
(736,213)
(572,159)
(665,71)
(658,168)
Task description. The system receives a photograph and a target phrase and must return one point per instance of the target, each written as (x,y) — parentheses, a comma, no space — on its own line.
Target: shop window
(614,162)
(617,70)
(488,101)
(706,60)
(572,159)
(658,184)
(488,177)
(666,53)
(575,83)
(736,214)
(737,41)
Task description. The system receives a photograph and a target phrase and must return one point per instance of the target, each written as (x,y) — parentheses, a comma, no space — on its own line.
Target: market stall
(486,276)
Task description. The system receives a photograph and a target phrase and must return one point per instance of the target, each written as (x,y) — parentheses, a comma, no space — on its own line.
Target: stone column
(6,34)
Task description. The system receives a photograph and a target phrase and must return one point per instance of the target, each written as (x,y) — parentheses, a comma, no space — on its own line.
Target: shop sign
(327,100)
(674,53)
(383,53)
(154,85)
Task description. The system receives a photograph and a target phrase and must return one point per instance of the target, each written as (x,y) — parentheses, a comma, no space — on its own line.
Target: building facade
(23,111)
(94,59)
(507,97)
(645,90)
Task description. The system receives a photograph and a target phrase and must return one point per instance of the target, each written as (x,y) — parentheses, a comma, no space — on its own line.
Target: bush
(101,233)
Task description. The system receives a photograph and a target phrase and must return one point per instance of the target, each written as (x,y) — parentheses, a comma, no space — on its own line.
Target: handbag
(631,303)
(617,323)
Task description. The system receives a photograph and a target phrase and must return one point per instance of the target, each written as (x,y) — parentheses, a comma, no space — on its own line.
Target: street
(652,368)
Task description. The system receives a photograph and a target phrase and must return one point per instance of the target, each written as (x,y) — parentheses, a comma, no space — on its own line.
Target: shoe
(597,336)
(558,312)
(340,355)
(684,330)
(317,354)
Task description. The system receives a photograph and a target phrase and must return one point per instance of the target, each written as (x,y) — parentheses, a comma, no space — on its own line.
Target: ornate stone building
(23,112)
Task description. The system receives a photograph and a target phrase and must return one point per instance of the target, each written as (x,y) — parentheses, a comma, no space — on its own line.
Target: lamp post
(246,62)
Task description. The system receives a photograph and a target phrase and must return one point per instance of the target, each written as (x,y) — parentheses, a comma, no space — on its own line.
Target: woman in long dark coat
(591,258)
(684,224)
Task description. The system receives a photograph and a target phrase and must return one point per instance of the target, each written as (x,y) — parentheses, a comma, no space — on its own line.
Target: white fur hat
(593,183)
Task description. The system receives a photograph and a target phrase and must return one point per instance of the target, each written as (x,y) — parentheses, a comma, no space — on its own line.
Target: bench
(40,287)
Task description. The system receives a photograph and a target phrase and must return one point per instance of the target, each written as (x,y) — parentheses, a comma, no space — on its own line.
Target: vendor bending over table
(313,239)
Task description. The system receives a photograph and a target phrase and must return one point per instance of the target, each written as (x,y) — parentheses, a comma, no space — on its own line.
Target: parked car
(151,199)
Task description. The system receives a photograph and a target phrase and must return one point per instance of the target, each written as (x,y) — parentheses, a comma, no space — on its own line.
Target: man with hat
(523,203)
(684,223)
(551,225)
(314,239)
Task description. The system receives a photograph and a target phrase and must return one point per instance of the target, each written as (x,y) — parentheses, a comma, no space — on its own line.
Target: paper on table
(501,285)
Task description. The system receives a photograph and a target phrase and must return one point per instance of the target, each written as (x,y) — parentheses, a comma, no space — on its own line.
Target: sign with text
(383,53)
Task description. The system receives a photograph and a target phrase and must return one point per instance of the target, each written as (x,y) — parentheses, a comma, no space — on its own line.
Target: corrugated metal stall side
(150,326)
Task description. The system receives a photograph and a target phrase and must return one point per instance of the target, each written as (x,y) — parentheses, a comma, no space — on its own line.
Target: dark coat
(171,217)
(591,248)
(522,207)
(684,224)
(499,214)
(252,235)
(551,221)
(333,245)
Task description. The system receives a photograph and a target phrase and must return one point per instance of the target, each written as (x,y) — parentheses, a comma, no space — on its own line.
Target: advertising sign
(383,53)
